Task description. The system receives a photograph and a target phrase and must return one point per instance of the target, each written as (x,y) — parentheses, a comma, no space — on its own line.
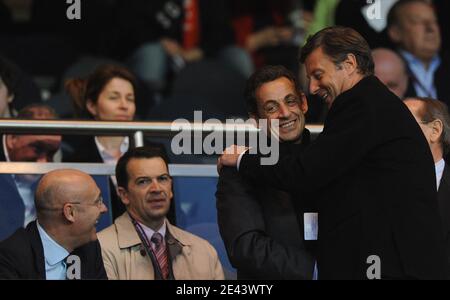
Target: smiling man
(68,204)
(259,225)
(142,244)
(370,169)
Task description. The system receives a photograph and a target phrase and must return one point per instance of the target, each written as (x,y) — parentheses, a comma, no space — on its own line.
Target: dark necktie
(161,254)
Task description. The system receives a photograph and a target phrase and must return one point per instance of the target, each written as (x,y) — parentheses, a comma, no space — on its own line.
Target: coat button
(142,251)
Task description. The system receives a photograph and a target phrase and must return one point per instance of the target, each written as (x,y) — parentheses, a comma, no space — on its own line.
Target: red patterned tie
(161,254)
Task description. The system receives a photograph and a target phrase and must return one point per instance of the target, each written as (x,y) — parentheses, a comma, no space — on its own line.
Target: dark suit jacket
(444,210)
(440,81)
(373,174)
(260,228)
(86,151)
(22,257)
(12,209)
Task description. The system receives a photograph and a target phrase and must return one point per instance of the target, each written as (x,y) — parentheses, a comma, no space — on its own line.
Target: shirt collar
(149,232)
(5,149)
(105,155)
(412,60)
(53,252)
(439,167)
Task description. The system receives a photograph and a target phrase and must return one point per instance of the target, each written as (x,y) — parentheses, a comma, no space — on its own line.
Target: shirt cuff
(239,159)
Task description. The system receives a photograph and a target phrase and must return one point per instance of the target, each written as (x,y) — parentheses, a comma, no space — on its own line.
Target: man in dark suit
(68,205)
(413,28)
(434,120)
(17,190)
(259,225)
(371,170)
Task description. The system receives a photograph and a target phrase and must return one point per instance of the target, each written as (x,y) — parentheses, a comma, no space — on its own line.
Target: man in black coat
(371,170)
(62,243)
(259,225)
(434,120)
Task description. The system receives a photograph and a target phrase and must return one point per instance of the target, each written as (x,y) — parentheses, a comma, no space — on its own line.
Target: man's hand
(230,156)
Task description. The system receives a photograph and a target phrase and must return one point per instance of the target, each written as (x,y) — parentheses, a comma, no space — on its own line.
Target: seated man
(68,205)
(142,244)
(391,70)
(261,230)
(434,120)
(16,200)
(413,28)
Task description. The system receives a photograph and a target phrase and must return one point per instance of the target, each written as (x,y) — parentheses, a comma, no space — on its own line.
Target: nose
(103,208)
(284,111)
(155,187)
(42,159)
(313,86)
(124,104)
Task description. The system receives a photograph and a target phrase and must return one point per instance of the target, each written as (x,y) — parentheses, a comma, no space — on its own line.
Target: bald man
(62,242)
(391,70)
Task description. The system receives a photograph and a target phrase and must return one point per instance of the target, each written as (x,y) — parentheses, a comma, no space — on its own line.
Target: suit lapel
(37,249)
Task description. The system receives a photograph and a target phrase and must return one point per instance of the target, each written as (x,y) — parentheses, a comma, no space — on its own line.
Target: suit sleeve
(242,228)
(348,135)
(100,272)
(7,269)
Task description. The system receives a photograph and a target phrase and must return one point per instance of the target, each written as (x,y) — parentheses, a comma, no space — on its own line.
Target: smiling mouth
(323,95)
(287,125)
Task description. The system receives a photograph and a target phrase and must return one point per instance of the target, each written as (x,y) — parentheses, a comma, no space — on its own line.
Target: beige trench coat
(193,258)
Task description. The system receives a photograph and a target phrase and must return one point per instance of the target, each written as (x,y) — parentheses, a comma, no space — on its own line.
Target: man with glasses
(142,244)
(62,242)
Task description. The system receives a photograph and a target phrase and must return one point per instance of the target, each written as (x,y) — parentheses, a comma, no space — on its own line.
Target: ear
(91,107)
(10,141)
(394,34)
(69,212)
(350,64)
(10,98)
(303,103)
(437,127)
(123,193)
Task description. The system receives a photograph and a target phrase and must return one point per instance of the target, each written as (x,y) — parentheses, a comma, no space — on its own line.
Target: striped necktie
(161,254)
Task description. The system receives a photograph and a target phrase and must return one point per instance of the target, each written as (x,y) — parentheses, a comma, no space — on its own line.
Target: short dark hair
(29,112)
(394,12)
(264,75)
(431,110)
(338,42)
(136,153)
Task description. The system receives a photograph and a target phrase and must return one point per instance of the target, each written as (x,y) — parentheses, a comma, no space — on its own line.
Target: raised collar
(128,237)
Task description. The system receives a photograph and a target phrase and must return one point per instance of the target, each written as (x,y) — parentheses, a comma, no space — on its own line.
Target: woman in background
(108,94)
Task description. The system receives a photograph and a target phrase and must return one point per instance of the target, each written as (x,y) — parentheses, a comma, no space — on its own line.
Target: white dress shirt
(439,166)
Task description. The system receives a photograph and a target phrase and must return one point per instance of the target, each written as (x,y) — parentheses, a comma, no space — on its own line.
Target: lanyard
(147,246)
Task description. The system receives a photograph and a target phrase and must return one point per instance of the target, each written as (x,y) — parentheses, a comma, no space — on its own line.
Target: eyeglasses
(98,202)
